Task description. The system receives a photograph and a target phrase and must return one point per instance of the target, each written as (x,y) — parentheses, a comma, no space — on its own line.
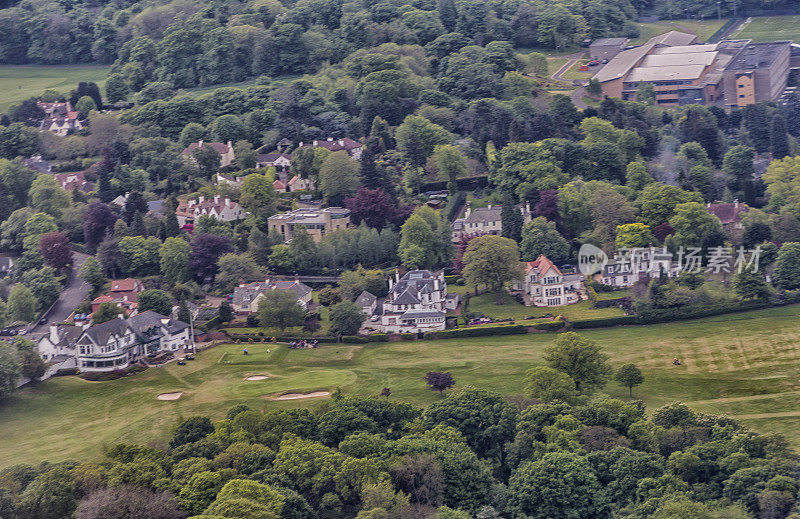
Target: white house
(116,343)
(543,284)
(631,265)
(483,220)
(219,208)
(226,155)
(247,295)
(416,303)
(367,302)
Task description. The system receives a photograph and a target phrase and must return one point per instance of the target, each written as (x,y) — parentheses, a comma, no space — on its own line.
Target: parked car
(604,61)
(593,63)
(189,357)
(375,318)
(584,68)
(43,320)
(181,362)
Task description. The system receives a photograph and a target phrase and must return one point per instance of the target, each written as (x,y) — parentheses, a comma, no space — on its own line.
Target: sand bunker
(170,396)
(299,396)
(257,377)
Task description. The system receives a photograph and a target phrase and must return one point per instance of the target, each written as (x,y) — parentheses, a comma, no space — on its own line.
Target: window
(741,86)
(741,95)
(553,302)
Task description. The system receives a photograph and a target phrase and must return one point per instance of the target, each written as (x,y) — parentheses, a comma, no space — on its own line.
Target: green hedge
(663,315)
(606,321)
(408,336)
(379,337)
(549,326)
(516,329)
(210,324)
(355,339)
(318,339)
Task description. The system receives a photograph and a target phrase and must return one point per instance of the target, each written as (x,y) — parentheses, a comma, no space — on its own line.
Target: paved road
(571,59)
(577,100)
(74,293)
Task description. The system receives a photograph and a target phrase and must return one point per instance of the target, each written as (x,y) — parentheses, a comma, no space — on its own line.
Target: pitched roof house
(247,295)
(279,161)
(483,220)
(543,284)
(124,293)
(353,148)
(367,302)
(73,181)
(416,303)
(116,343)
(226,155)
(219,208)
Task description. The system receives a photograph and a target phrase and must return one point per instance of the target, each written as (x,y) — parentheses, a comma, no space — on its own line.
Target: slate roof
(415,281)
(99,333)
(416,314)
(366,299)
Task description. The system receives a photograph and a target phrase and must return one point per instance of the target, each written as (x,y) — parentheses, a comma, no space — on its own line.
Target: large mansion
(417,302)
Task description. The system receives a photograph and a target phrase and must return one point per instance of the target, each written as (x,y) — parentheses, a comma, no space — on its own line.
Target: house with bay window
(545,285)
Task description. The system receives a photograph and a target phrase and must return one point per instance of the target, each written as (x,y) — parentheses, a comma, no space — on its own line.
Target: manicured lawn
(745,365)
(554,64)
(704,29)
(510,309)
(769,28)
(18,83)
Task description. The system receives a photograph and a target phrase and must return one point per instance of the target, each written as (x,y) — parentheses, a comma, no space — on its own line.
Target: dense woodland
(554,452)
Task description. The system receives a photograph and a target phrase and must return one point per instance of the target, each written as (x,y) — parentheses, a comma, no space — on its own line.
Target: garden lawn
(574,71)
(18,83)
(769,28)
(486,304)
(745,365)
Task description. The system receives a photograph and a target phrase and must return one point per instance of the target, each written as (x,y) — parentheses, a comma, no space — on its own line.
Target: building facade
(544,284)
(247,295)
(416,303)
(219,208)
(316,221)
(225,150)
(483,220)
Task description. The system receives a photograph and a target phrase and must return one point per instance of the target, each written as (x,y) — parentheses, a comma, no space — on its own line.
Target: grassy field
(18,83)
(744,365)
(574,71)
(486,304)
(704,29)
(769,28)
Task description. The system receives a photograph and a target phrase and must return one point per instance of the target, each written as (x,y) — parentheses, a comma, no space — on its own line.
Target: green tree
(451,164)
(49,496)
(483,417)
(85,105)
(155,300)
(10,369)
(417,137)
(779,138)
(208,160)
(174,260)
(786,274)
(346,318)
(225,312)
(234,269)
(580,358)
(539,236)
(307,161)
(258,197)
(637,177)
(116,88)
(106,312)
(33,367)
(560,484)
(750,285)
(646,93)
(46,196)
(280,309)
(36,226)
(22,304)
(493,261)
(658,202)
(547,384)
(629,375)
(693,223)
(338,177)
(511,220)
(631,235)
(425,239)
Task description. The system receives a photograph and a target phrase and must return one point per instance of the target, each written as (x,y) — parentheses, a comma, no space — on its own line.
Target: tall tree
(346,318)
(450,163)
(629,375)
(579,358)
(494,261)
(54,247)
(511,219)
(338,177)
(280,309)
(779,138)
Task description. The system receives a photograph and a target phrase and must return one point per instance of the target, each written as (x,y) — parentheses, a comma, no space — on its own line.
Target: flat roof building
(607,48)
(732,73)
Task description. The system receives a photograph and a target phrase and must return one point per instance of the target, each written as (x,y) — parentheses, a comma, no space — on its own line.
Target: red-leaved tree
(54,247)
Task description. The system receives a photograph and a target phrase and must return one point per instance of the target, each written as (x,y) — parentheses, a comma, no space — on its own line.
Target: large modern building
(731,73)
(316,221)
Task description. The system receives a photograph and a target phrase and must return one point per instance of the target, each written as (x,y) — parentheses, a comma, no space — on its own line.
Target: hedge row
(210,324)
(606,321)
(662,315)
(549,326)
(408,336)
(355,339)
(379,337)
(608,303)
(516,329)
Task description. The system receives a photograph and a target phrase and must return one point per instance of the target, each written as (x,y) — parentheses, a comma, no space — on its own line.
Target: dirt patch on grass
(301,396)
(257,377)
(170,396)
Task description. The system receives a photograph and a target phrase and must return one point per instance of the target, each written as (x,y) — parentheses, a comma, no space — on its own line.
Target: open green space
(574,72)
(704,29)
(769,28)
(486,304)
(745,365)
(18,83)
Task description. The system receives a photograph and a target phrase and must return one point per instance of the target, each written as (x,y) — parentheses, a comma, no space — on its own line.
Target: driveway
(571,59)
(73,295)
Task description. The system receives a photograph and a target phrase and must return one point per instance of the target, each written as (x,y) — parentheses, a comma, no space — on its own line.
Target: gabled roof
(542,264)
(126,285)
(272,157)
(623,62)
(144,321)
(100,333)
(366,299)
(406,298)
(219,147)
